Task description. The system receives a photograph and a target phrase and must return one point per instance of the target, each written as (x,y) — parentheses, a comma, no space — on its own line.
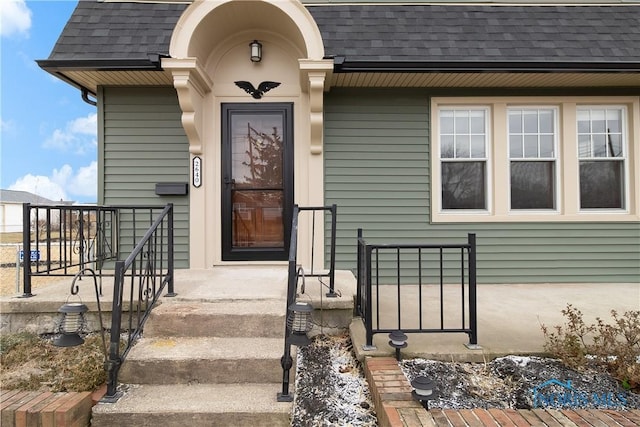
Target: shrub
(615,346)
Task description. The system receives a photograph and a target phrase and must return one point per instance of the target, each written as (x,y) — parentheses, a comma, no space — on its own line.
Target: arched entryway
(233,218)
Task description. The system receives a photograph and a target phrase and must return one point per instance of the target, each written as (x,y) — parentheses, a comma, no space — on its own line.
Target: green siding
(376,153)
(143,143)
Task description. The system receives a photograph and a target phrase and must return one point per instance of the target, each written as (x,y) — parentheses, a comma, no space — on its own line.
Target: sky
(48,140)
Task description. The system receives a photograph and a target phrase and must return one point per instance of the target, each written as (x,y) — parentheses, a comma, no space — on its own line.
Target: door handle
(228,181)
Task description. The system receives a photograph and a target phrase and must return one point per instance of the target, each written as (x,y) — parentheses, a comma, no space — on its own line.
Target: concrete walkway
(509,320)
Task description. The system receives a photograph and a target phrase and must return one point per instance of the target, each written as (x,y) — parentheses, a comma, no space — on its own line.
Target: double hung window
(602,157)
(463,152)
(532,161)
(535,159)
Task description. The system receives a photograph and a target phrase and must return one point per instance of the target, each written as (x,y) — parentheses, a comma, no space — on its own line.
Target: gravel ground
(520,383)
(331,390)
(330,387)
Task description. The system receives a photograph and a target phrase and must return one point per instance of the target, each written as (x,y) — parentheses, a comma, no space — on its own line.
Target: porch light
(299,323)
(398,340)
(424,390)
(256,51)
(71,324)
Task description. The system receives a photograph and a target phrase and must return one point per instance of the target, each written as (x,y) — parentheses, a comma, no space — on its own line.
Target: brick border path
(391,393)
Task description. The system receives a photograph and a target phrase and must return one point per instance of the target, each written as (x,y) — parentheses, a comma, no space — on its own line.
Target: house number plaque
(197,171)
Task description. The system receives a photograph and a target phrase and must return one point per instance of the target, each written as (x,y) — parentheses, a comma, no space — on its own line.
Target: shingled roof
(385,36)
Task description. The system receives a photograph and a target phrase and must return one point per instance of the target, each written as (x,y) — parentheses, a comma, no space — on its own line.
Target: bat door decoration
(263,88)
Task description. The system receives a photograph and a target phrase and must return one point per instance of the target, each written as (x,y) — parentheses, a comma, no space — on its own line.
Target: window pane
(446,121)
(462,122)
(515,146)
(584,146)
(532,185)
(462,147)
(515,122)
(614,121)
(463,185)
(477,121)
(530,121)
(584,121)
(546,121)
(531,146)
(599,146)
(615,145)
(477,146)
(546,146)
(598,123)
(601,184)
(446,146)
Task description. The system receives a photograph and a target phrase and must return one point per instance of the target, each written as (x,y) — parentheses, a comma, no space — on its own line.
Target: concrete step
(242,318)
(225,405)
(199,360)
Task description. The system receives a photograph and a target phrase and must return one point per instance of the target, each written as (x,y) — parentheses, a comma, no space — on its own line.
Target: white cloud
(85,182)
(79,136)
(63,184)
(85,125)
(15,17)
(41,185)
(8,126)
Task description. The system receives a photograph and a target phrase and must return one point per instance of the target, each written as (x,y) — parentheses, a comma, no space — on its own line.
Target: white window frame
(556,169)
(624,158)
(567,160)
(486,159)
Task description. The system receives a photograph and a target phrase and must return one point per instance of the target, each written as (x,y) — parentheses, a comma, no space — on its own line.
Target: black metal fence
(432,288)
(62,240)
(295,272)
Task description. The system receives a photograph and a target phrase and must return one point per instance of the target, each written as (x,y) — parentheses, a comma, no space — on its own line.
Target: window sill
(586,216)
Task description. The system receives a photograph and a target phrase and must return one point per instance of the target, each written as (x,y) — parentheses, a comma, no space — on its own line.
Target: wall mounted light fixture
(256,51)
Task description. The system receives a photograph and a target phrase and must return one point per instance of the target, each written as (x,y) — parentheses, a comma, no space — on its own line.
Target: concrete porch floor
(509,316)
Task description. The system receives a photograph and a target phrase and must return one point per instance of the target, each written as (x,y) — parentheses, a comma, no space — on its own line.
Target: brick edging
(46,409)
(390,391)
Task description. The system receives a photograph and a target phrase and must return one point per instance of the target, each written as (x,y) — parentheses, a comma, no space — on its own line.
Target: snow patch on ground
(330,388)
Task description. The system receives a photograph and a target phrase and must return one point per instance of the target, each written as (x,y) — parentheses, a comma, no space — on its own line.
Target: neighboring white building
(11,208)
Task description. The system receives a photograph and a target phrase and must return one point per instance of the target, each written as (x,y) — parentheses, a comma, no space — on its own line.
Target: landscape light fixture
(72,321)
(70,325)
(424,390)
(299,322)
(398,340)
(256,51)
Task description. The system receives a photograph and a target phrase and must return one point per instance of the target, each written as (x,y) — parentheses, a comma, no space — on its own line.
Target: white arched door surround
(210,51)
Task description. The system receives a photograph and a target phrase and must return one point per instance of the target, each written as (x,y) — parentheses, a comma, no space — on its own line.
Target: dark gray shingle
(371,33)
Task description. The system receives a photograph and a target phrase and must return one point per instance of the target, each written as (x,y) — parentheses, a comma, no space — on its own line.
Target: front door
(257,181)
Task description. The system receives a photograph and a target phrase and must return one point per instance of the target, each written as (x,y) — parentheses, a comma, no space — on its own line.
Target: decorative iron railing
(139,281)
(295,273)
(62,240)
(417,288)
(81,239)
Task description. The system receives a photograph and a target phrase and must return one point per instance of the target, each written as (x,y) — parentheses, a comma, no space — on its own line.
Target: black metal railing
(404,287)
(139,282)
(79,239)
(295,272)
(62,240)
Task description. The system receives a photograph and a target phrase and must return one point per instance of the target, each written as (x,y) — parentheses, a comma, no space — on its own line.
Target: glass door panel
(257,181)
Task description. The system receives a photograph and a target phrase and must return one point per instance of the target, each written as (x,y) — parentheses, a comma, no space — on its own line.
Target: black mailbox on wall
(172,188)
